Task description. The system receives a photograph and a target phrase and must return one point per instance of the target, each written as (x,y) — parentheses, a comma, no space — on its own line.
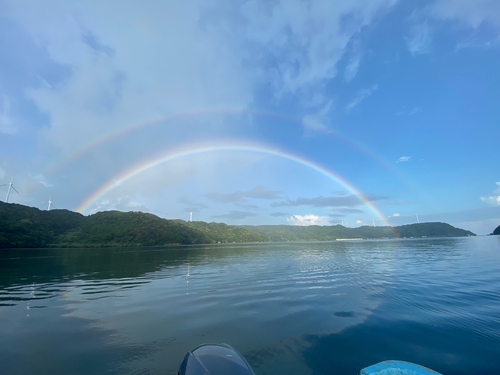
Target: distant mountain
(28,227)
(497,230)
(280,233)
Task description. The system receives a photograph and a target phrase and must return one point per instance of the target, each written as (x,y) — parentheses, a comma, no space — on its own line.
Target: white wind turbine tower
(11,186)
(50,204)
(190,216)
(418,221)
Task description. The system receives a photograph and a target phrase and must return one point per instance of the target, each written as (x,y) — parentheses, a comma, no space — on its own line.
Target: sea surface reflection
(290,308)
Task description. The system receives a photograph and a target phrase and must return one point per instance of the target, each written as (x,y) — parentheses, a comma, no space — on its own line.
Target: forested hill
(497,230)
(279,233)
(24,227)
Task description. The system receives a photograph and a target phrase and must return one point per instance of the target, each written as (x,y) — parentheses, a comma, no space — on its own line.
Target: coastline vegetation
(28,227)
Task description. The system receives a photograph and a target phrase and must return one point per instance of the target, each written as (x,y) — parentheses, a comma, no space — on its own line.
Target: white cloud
(258,192)
(41,179)
(473,13)
(352,68)
(307,220)
(360,96)
(493,200)
(165,63)
(420,39)
(359,221)
(396,215)
(403,159)
(7,125)
(308,38)
(125,204)
(353,65)
(403,111)
(182,55)
(316,122)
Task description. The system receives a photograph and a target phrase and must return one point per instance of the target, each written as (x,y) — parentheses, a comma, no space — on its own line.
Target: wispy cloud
(308,55)
(347,201)
(352,66)
(472,13)
(403,159)
(475,41)
(192,206)
(420,39)
(306,220)
(7,125)
(279,214)
(347,210)
(252,207)
(316,122)
(237,215)
(41,179)
(341,192)
(412,112)
(360,96)
(258,192)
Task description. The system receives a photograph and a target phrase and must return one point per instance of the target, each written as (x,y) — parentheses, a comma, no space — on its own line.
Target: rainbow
(116,133)
(191,150)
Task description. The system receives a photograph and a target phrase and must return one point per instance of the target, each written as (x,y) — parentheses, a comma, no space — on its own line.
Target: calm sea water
(294,308)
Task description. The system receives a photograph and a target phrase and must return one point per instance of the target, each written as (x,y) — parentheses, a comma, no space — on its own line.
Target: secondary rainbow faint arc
(130,173)
(73,155)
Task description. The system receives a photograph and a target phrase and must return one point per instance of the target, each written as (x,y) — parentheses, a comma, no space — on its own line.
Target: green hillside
(280,233)
(28,227)
(22,226)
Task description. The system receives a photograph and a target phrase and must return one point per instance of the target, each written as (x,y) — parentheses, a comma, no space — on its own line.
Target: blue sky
(399,99)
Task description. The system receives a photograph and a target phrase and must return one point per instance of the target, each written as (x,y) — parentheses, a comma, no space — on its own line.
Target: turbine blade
(15,190)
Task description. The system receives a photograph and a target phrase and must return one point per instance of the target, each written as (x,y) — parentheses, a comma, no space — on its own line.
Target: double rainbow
(191,150)
(116,133)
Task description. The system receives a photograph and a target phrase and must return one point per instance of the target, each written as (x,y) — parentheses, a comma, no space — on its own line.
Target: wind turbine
(11,186)
(418,221)
(50,204)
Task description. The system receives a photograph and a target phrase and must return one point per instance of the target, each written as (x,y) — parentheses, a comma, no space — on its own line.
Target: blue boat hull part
(397,368)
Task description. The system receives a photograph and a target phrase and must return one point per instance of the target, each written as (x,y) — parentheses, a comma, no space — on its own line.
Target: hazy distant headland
(28,227)
(496,231)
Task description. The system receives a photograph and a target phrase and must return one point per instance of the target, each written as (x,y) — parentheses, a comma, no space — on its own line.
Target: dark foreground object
(222,359)
(214,359)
